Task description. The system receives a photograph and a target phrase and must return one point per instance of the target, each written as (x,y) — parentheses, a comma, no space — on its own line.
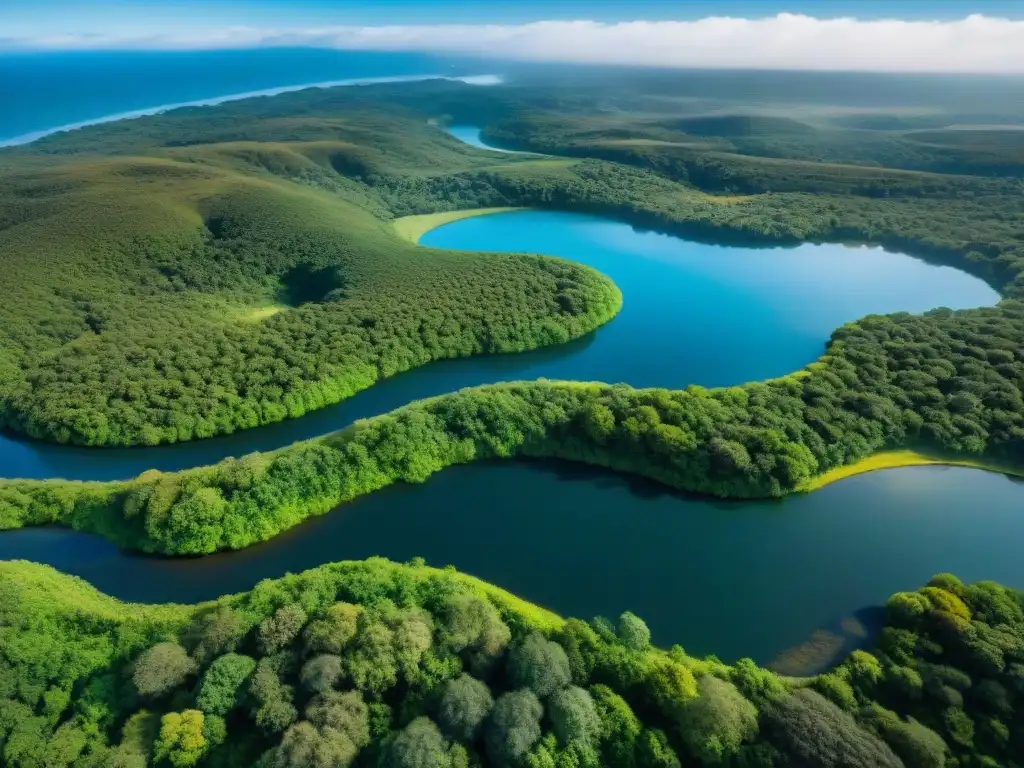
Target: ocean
(41,92)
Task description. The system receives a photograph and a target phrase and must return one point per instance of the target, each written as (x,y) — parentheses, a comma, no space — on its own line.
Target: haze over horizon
(963,37)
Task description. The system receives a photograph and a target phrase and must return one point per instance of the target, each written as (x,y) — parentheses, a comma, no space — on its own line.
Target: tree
(916,745)
(305,746)
(321,673)
(342,712)
(633,632)
(419,745)
(370,662)
(162,668)
(574,716)
(272,705)
(181,741)
(463,706)
(538,664)
(620,728)
(470,625)
(760,686)
(279,630)
(672,685)
(814,733)
(333,631)
(718,721)
(514,726)
(654,751)
(222,683)
(217,632)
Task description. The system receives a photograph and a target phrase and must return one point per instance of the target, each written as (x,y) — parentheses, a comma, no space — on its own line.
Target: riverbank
(412,228)
(906,458)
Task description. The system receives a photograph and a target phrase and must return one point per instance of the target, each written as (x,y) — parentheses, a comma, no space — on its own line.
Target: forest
(948,382)
(259,231)
(374,663)
(203,271)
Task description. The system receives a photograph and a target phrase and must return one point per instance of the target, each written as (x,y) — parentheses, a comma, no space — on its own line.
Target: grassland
(412,228)
(907,458)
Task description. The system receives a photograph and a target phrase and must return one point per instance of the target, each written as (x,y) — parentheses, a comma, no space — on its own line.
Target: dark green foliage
(419,745)
(280,629)
(817,734)
(915,744)
(574,717)
(514,726)
(538,664)
(68,655)
(718,721)
(162,668)
(321,673)
(464,704)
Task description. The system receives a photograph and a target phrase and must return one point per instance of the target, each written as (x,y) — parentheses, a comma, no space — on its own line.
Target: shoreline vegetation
(412,228)
(374,663)
(378,663)
(365,304)
(906,458)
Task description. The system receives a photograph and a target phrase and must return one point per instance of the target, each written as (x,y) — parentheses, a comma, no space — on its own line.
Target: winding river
(733,579)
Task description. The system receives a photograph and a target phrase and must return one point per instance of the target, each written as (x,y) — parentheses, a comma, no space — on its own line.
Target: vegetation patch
(374,663)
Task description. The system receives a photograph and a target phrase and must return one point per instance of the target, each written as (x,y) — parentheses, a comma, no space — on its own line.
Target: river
(734,579)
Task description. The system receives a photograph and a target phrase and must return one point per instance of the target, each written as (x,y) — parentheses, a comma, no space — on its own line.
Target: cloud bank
(975,44)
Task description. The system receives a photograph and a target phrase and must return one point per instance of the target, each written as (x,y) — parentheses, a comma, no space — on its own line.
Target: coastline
(28,138)
(412,228)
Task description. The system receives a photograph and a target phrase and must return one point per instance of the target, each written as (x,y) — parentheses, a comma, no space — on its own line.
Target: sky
(886,35)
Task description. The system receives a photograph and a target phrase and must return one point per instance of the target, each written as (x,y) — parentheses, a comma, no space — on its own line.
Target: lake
(734,579)
(692,314)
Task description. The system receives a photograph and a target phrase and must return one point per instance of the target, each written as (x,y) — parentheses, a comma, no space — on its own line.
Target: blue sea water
(43,91)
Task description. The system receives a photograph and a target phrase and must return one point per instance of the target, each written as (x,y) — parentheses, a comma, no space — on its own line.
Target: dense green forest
(378,664)
(208,270)
(949,382)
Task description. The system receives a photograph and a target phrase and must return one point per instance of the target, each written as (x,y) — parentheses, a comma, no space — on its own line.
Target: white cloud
(786,41)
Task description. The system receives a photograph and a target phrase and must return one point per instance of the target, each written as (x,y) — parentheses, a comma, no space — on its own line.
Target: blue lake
(692,314)
(734,579)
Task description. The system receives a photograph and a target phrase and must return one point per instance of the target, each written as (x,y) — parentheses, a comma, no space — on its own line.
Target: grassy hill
(136,287)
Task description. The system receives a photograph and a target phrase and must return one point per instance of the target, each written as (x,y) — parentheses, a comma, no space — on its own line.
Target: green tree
(716,723)
(321,673)
(538,664)
(223,682)
(216,632)
(574,716)
(271,700)
(419,745)
(305,746)
(633,632)
(514,726)
(333,631)
(161,669)
(814,732)
(464,704)
(277,631)
(182,741)
(345,713)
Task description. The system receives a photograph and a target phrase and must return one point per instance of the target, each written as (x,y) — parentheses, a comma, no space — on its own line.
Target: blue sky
(33,17)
